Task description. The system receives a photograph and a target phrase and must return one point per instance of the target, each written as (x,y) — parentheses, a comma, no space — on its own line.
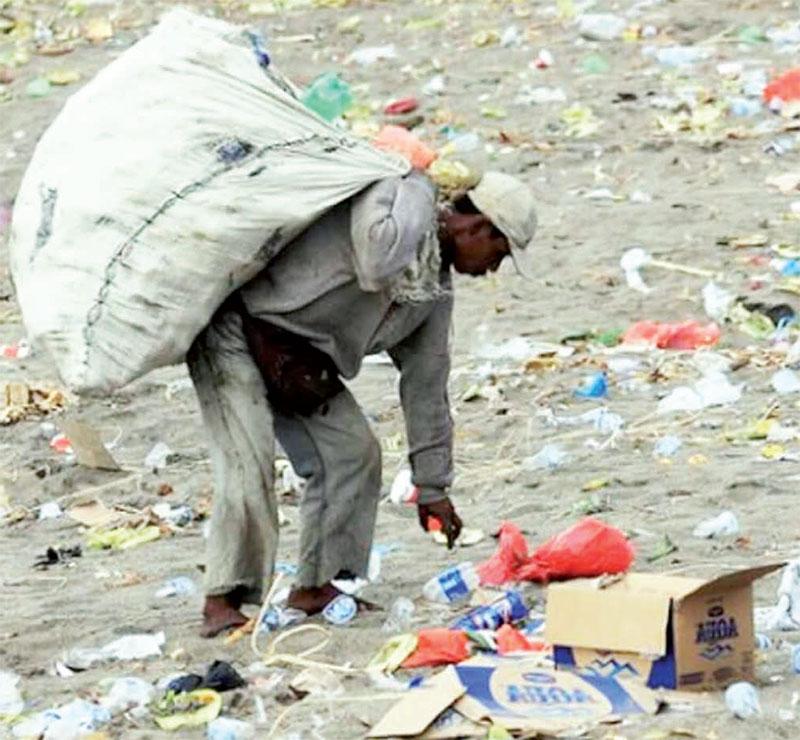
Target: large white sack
(129,229)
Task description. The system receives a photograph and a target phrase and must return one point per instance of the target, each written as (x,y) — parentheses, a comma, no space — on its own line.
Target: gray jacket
(331,285)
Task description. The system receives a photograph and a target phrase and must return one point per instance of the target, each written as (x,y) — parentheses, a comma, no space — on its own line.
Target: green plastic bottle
(328,96)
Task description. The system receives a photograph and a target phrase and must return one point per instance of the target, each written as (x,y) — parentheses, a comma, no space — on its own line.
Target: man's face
(476,245)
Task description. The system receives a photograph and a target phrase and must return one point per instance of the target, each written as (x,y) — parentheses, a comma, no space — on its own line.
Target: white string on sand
(270,656)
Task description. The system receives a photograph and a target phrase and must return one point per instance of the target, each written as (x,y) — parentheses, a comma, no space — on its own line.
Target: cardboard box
(672,632)
(515,693)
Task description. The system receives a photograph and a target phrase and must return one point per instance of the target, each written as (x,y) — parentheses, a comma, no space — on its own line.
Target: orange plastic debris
(400,140)
(785,86)
(439,646)
(683,335)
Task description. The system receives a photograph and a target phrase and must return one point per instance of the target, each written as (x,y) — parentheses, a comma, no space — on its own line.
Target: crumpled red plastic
(510,640)
(785,86)
(401,140)
(588,549)
(682,335)
(439,646)
(511,553)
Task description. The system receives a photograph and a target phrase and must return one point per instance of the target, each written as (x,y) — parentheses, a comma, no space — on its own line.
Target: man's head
(493,220)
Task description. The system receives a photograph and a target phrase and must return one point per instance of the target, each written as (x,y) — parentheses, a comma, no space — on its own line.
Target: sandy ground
(703,187)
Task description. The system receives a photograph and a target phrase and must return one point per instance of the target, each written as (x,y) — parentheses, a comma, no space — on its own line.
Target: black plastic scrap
(220,676)
(55,555)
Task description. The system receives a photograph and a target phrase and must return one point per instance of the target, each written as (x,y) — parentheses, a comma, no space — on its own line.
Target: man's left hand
(445,513)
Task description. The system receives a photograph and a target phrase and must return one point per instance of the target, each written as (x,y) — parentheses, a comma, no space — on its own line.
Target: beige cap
(508,203)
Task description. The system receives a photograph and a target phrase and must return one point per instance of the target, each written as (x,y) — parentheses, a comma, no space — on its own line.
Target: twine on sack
(124,250)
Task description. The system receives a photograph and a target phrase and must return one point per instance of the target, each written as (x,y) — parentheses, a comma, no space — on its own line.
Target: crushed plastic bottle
(463,143)
(158,457)
(435,86)
(595,386)
(744,107)
(796,659)
(724,525)
(11,701)
(180,586)
(786,613)
(225,728)
(681,56)
(742,700)
(75,719)
(452,585)
(127,693)
(341,610)
(328,96)
(717,301)
(279,617)
(763,642)
(667,446)
(50,510)
(178,516)
(713,389)
(785,381)
(550,457)
(601,26)
(401,615)
(528,95)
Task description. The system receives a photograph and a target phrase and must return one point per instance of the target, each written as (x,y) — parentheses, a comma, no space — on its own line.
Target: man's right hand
(445,513)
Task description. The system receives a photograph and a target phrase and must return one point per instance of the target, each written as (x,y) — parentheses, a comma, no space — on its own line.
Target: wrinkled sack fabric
(125,241)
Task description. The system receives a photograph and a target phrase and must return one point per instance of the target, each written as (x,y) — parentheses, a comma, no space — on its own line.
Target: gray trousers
(334,449)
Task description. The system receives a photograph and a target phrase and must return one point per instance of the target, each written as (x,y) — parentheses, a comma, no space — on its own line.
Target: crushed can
(506,610)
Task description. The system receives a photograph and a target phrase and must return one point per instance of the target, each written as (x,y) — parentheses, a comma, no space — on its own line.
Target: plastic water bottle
(341,610)
(724,525)
(328,96)
(225,728)
(742,700)
(451,585)
(601,26)
(400,616)
(745,107)
(764,642)
(506,610)
(180,586)
(796,659)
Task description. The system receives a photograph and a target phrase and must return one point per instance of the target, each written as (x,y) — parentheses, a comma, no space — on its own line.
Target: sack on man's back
(164,184)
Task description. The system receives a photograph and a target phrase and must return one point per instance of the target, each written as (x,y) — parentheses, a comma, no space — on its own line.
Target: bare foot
(221,613)
(314,600)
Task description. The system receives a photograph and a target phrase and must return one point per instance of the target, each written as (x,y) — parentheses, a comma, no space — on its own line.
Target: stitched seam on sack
(94,313)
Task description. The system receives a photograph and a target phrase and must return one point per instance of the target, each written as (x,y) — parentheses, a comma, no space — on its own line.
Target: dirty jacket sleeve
(423,359)
(388,221)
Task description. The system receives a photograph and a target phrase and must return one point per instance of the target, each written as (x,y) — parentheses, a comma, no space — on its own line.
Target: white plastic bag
(164,184)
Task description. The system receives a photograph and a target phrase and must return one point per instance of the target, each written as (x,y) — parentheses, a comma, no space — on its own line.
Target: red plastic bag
(400,140)
(510,640)
(439,646)
(511,553)
(785,86)
(683,335)
(588,549)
